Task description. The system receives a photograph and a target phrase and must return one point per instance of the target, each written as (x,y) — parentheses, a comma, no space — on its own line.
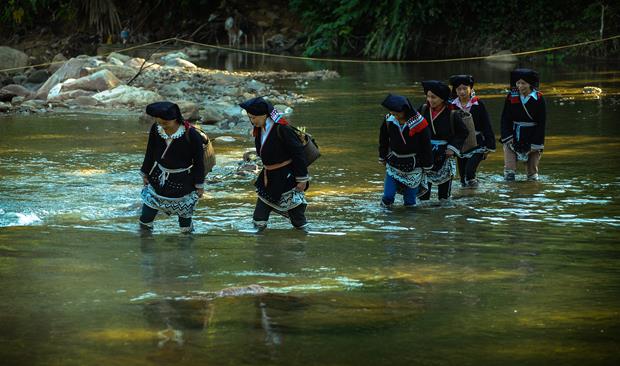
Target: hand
(145,180)
(449,153)
(200,192)
(301,186)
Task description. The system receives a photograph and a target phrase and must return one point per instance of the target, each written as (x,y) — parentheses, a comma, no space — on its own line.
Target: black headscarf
(438,88)
(458,80)
(397,103)
(257,106)
(530,76)
(165,110)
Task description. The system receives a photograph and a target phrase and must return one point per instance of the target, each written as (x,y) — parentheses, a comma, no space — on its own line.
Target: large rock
(179,62)
(215,112)
(57,63)
(171,91)
(174,55)
(121,72)
(68,95)
(118,56)
(11,58)
(38,76)
(72,69)
(129,95)
(4,106)
(189,110)
(99,81)
(136,63)
(8,92)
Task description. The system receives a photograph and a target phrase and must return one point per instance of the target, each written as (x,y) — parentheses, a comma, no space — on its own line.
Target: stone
(120,71)
(38,76)
(592,90)
(118,56)
(13,90)
(256,86)
(171,91)
(5,106)
(179,62)
(130,95)
(57,63)
(12,58)
(189,110)
(115,61)
(75,68)
(17,100)
(99,81)
(86,101)
(68,95)
(175,55)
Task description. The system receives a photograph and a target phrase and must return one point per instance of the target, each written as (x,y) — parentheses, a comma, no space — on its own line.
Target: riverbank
(127,84)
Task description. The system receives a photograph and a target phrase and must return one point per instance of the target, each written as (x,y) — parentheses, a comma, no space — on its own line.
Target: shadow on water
(510,273)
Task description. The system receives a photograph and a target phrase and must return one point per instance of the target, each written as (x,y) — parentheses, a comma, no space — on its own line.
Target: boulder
(12,58)
(13,90)
(189,110)
(86,101)
(171,91)
(174,55)
(130,95)
(137,62)
(72,69)
(68,95)
(5,106)
(115,61)
(118,56)
(256,86)
(57,63)
(38,77)
(99,81)
(179,62)
(120,71)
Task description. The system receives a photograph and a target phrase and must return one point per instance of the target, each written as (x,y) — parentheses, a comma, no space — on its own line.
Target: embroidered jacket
(441,130)
(524,123)
(280,145)
(413,137)
(484,131)
(179,155)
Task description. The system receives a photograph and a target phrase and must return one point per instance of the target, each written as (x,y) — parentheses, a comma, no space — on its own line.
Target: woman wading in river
(448,132)
(466,100)
(284,178)
(173,170)
(523,124)
(404,149)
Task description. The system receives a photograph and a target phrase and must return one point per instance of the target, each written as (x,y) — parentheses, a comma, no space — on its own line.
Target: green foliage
(397,29)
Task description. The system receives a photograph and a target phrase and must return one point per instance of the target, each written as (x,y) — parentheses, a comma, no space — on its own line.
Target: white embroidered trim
(174,136)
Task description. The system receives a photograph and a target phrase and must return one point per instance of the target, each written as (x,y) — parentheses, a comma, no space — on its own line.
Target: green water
(509,274)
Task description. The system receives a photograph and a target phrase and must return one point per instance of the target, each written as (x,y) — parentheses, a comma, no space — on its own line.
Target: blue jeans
(389,192)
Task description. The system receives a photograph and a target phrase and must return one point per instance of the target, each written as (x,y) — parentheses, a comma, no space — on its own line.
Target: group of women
(419,148)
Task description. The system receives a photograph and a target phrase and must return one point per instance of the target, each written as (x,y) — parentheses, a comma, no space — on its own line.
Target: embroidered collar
(471,102)
(176,135)
(415,124)
(533,94)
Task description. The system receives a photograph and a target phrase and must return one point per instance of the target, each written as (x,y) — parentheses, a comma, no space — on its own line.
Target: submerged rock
(242,291)
(592,90)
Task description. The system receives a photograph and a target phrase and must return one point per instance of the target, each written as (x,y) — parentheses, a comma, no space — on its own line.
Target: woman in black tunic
(448,132)
(464,98)
(173,168)
(284,178)
(523,124)
(404,149)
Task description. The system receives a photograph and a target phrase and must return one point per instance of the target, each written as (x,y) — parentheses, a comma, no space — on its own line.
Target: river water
(510,273)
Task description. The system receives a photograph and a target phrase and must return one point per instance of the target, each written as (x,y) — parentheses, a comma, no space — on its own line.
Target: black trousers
(468,167)
(443,190)
(262,211)
(149,213)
